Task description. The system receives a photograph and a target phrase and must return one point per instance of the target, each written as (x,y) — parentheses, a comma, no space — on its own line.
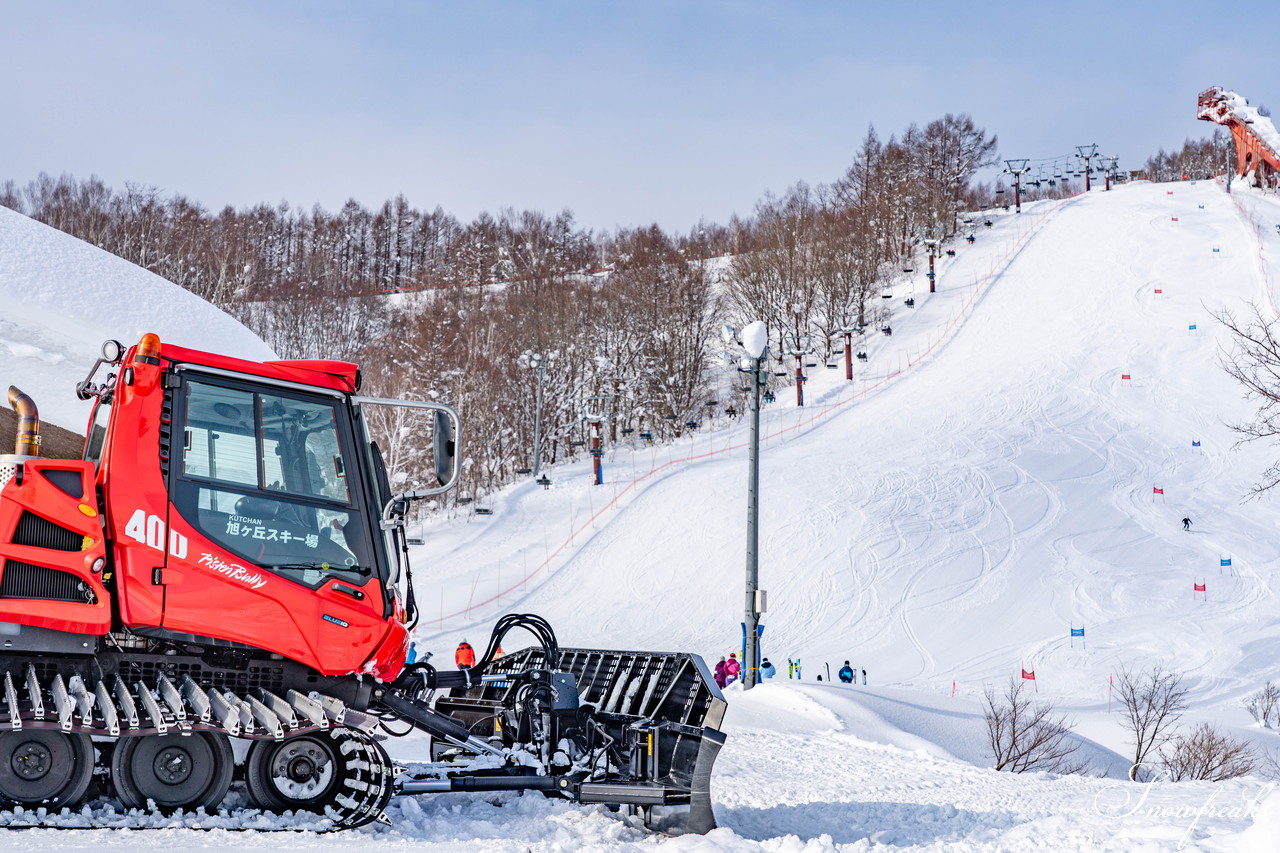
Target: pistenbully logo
(234,571)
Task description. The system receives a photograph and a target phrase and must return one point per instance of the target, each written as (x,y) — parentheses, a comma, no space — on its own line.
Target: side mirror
(446,447)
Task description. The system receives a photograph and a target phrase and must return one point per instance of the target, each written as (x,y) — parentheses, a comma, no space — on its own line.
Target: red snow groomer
(228,563)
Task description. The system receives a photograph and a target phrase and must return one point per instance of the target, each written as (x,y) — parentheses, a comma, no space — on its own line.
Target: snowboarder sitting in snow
(846,674)
(719,674)
(767,670)
(731,669)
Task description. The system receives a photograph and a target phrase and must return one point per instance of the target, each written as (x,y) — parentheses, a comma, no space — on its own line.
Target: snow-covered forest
(430,306)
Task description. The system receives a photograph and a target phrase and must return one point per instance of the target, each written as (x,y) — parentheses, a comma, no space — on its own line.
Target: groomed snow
(63,297)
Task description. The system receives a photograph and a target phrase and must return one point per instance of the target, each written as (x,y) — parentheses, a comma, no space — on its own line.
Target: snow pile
(63,298)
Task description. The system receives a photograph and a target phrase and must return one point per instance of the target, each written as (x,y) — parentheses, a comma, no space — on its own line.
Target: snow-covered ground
(983,485)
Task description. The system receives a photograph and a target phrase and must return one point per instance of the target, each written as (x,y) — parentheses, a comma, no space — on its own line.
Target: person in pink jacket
(732,669)
(719,674)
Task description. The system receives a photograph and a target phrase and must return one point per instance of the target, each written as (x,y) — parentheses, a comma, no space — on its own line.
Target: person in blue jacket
(846,674)
(766,669)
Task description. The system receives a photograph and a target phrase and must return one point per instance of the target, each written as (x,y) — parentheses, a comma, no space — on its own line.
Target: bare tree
(1205,754)
(1264,705)
(1255,364)
(1025,734)
(1152,701)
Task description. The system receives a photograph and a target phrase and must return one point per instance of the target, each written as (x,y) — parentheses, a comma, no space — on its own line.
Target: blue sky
(626,113)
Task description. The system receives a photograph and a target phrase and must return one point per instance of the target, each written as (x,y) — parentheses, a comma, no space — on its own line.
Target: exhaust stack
(28,442)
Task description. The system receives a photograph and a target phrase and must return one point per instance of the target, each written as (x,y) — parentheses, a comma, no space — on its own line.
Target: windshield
(264,474)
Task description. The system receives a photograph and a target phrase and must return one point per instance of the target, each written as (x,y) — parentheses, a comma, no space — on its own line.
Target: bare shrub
(1027,735)
(1152,700)
(1264,705)
(1205,754)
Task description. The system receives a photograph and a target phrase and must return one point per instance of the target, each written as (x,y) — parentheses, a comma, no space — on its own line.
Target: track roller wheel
(340,773)
(40,767)
(174,771)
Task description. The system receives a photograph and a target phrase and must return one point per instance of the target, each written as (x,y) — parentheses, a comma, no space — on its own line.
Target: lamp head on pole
(755,339)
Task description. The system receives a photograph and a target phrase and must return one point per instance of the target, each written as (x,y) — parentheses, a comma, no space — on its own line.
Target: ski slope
(968,505)
(985,484)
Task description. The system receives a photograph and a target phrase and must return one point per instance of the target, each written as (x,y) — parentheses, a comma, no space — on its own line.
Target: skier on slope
(846,674)
(719,674)
(465,656)
(767,669)
(1186,524)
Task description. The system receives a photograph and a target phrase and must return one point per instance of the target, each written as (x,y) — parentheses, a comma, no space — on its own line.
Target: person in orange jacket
(465,656)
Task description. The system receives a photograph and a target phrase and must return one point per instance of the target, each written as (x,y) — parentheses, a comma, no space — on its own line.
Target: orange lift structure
(1255,136)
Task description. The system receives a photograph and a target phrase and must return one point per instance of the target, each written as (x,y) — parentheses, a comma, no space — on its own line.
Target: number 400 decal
(149,530)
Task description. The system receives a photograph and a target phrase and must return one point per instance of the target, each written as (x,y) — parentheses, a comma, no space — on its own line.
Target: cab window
(264,475)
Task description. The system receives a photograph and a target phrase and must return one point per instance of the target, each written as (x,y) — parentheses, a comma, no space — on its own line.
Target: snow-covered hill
(985,484)
(62,298)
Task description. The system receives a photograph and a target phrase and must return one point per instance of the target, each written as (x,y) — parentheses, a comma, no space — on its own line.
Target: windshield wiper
(364,571)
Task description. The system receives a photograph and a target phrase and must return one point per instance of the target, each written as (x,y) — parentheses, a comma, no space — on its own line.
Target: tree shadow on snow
(896,824)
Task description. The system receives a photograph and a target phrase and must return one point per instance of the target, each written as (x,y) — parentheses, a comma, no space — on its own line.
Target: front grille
(37,532)
(23,580)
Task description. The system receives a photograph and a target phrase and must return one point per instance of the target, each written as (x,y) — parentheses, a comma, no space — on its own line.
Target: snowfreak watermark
(1117,801)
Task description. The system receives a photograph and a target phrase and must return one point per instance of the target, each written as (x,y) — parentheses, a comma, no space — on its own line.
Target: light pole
(755,341)
(538,363)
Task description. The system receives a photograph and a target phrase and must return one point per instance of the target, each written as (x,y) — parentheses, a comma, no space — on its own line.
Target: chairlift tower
(595,410)
(1016,168)
(932,244)
(848,352)
(799,355)
(1086,152)
(1109,168)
